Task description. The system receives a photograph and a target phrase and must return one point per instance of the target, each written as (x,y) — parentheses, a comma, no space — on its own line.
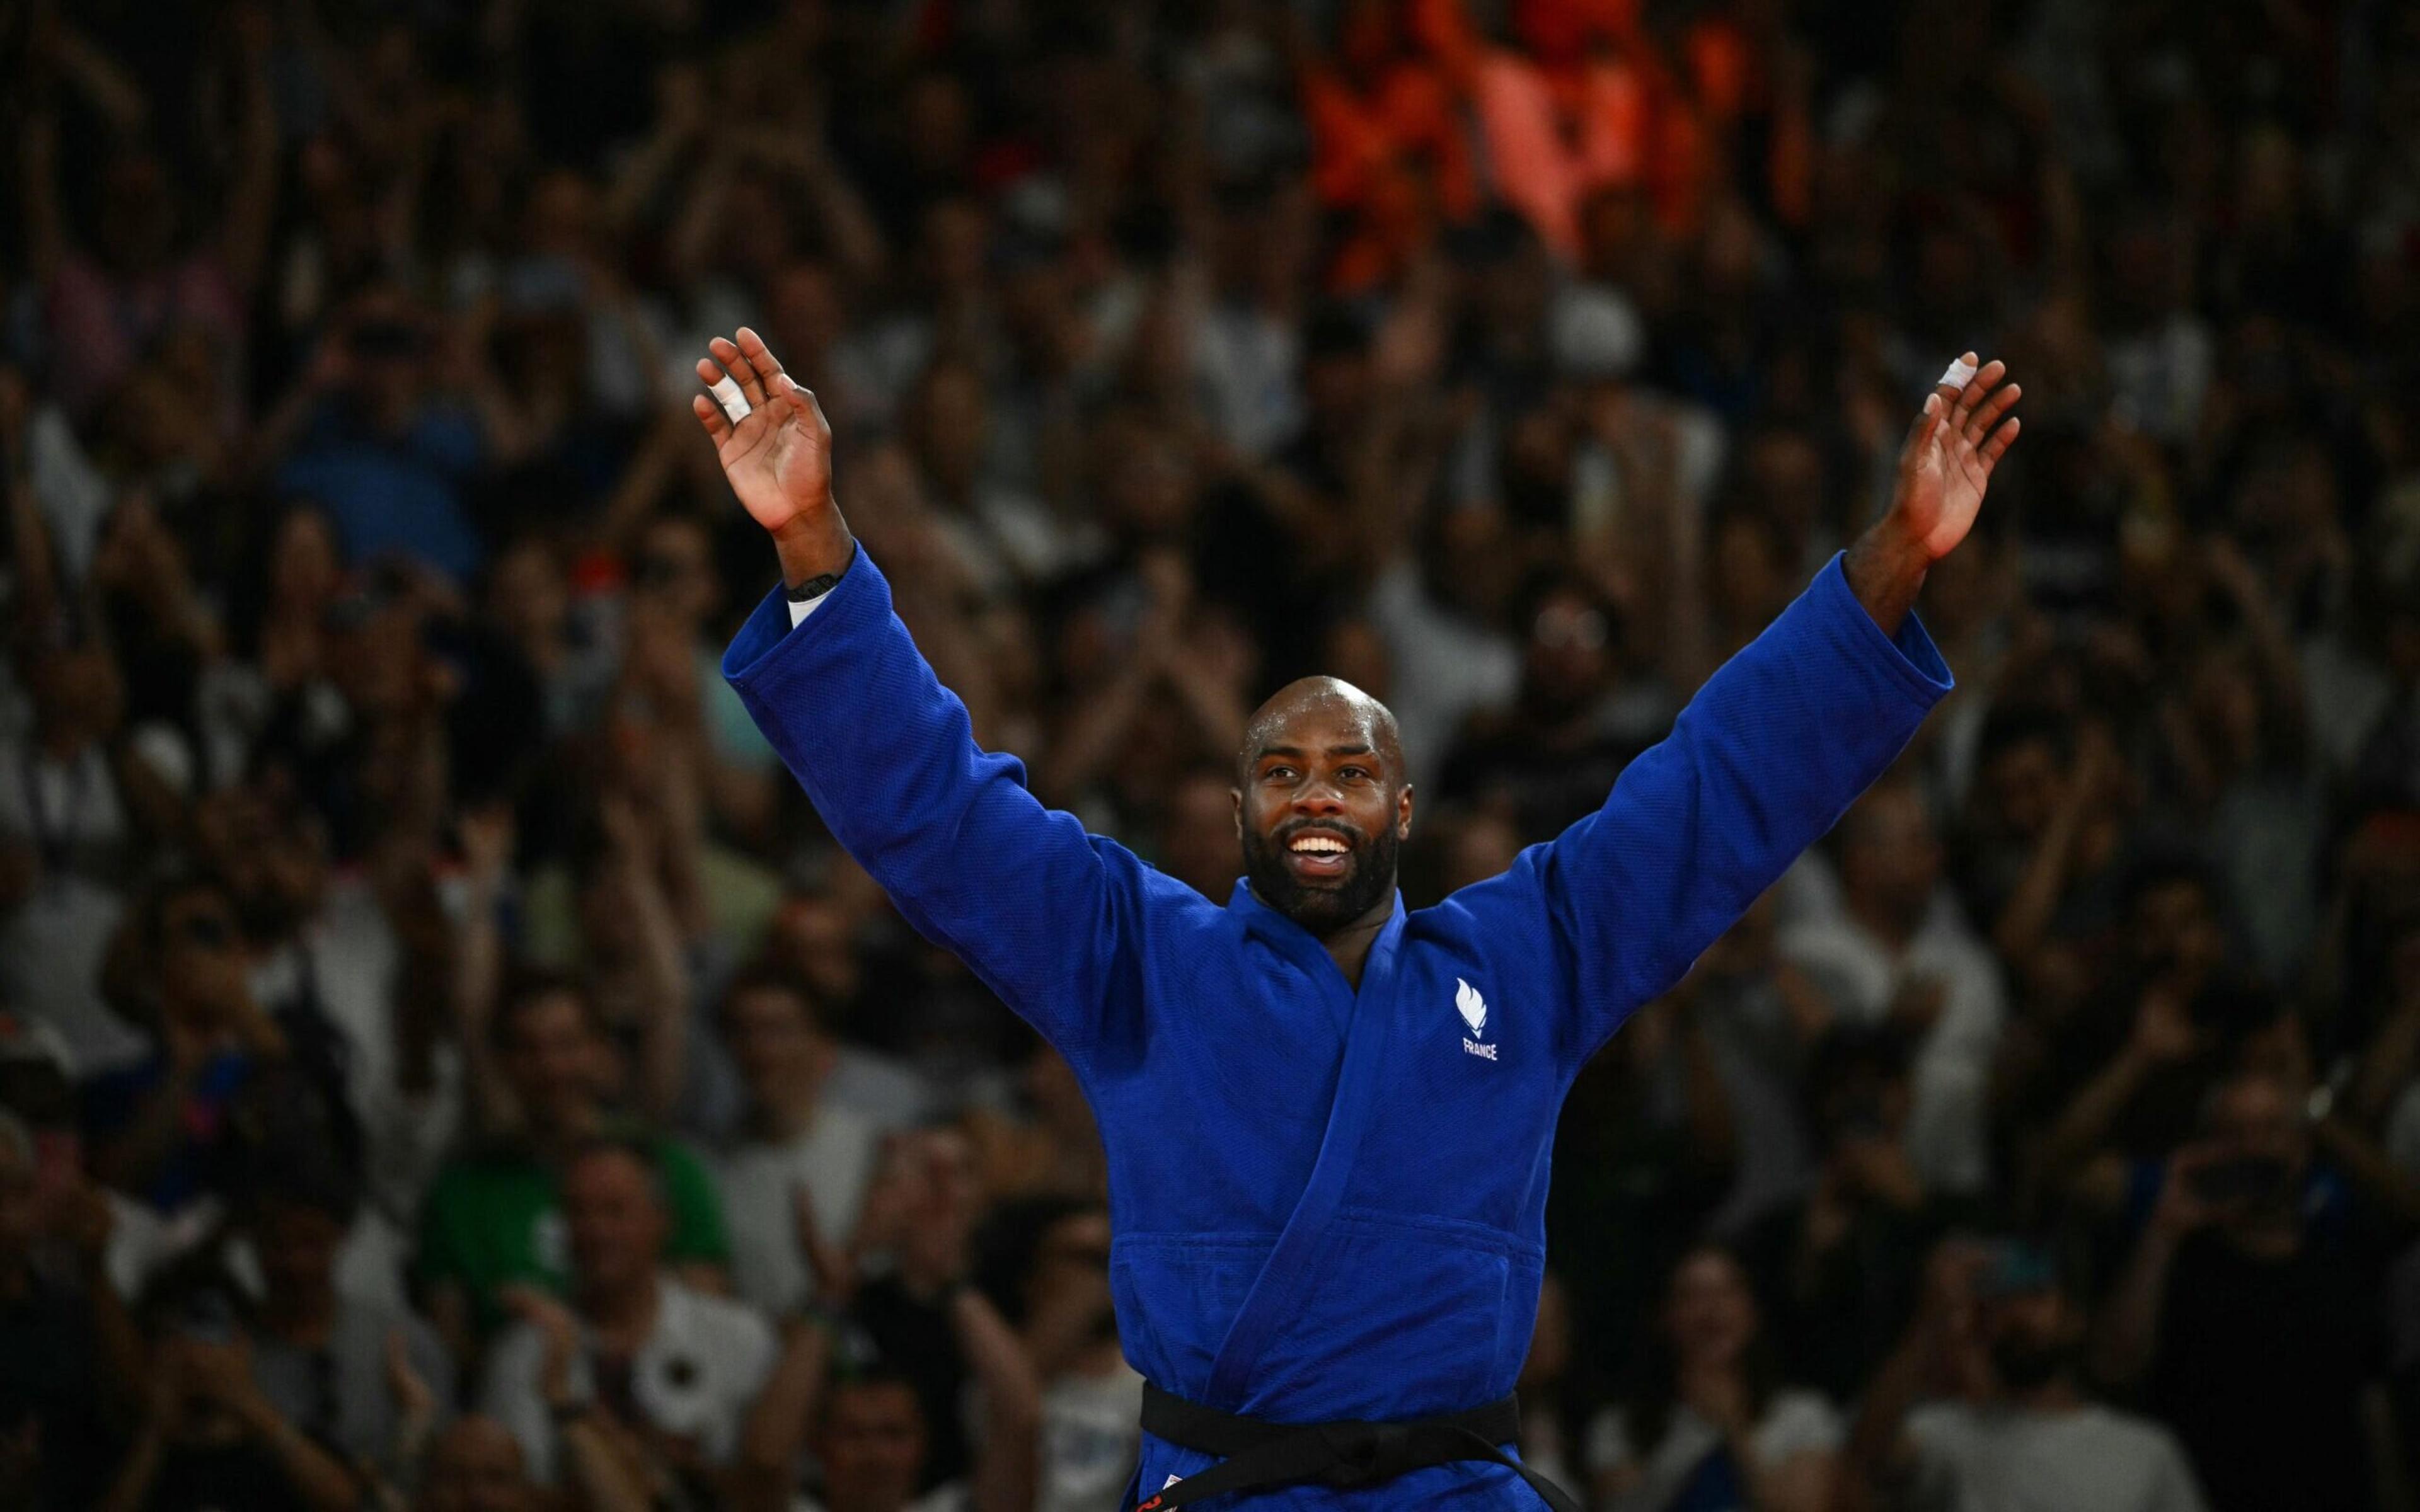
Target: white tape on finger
(1958,375)
(726,394)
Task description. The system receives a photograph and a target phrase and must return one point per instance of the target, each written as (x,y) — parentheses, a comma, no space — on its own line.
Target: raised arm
(1772,751)
(1031,903)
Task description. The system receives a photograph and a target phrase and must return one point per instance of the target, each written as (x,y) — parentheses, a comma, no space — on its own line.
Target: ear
(1404,813)
(1237,794)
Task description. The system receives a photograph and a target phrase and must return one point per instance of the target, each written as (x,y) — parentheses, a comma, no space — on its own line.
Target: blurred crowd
(444,1063)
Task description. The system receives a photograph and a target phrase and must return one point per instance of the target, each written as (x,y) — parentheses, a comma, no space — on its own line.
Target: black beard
(1321,910)
(2025,1365)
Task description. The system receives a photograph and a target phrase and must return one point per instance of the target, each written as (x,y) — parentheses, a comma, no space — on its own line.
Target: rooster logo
(1473,1007)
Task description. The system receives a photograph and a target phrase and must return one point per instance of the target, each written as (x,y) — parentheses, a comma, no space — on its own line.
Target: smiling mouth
(1320,854)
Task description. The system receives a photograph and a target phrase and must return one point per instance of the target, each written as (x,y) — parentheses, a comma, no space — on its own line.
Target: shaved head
(1321,697)
(1321,805)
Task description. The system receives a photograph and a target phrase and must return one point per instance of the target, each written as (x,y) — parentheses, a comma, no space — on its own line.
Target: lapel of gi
(1293,1261)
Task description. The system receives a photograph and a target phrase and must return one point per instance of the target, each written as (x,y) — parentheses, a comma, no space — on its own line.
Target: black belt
(1258,1457)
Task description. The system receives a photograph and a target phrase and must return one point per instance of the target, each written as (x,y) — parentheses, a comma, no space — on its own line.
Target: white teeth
(1319,843)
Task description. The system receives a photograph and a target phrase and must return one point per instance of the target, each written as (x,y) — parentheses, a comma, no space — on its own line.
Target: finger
(1928,422)
(761,358)
(811,409)
(1993,449)
(727,392)
(1988,413)
(1987,378)
(751,382)
(1954,381)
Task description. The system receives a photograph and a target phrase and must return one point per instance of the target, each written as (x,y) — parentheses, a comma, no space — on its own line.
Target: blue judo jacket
(1330,1204)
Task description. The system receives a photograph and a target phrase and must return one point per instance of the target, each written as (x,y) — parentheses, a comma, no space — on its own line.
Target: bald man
(1328,1119)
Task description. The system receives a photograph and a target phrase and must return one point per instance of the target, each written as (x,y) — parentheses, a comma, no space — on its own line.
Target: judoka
(1328,1119)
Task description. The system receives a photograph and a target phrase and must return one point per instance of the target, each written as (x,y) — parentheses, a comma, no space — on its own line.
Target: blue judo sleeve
(1760,764)
(1032,903)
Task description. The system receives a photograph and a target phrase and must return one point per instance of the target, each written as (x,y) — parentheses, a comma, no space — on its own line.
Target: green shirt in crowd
(495,1218)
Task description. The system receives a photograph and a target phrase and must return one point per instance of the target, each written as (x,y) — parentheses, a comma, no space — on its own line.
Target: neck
(1349,946)
(790,1111)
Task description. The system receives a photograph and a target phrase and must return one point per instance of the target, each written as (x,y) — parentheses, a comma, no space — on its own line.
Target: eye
(1358,774)
(1279,774)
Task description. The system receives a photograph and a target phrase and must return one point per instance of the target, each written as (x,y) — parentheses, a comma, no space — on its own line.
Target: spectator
(800,1163)
(369,1383)
(475,1466)
(1895,950)
(494,1219)
(1049,1260)
(921,1211)
(67,829)
(209,1436)
(1556,753)
(869,1433)
(1709,1423)
(1840,1267)
(2246,1309)
(378,445)
(1997,1345)
(223,1082)
(70,1363)
(631,1362)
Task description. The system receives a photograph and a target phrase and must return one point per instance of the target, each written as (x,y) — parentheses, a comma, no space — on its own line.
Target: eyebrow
(1267,751)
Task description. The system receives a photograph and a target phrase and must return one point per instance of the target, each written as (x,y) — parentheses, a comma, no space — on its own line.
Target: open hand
(779,456)
(1947,463)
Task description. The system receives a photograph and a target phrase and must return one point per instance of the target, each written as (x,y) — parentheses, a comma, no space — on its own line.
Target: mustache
(1285,834)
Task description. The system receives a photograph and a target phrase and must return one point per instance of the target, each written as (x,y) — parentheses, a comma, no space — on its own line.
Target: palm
(779,463)
(1950,458)
(778,455)
(1944,490)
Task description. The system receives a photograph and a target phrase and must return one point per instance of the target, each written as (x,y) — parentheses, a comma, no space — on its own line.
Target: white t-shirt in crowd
(52,944)
(1794,1423)
(1860,975)
(695,1377)
(833,1158)
(1092,1431)
(2088,1458)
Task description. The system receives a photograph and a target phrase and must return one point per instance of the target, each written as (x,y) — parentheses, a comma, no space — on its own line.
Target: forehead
(1315,722)
(608,1173)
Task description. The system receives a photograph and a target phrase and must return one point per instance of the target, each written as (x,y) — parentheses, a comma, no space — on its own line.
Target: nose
(1318,797)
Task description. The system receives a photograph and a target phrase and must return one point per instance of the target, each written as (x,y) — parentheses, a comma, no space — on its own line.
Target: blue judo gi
(1330,1204)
